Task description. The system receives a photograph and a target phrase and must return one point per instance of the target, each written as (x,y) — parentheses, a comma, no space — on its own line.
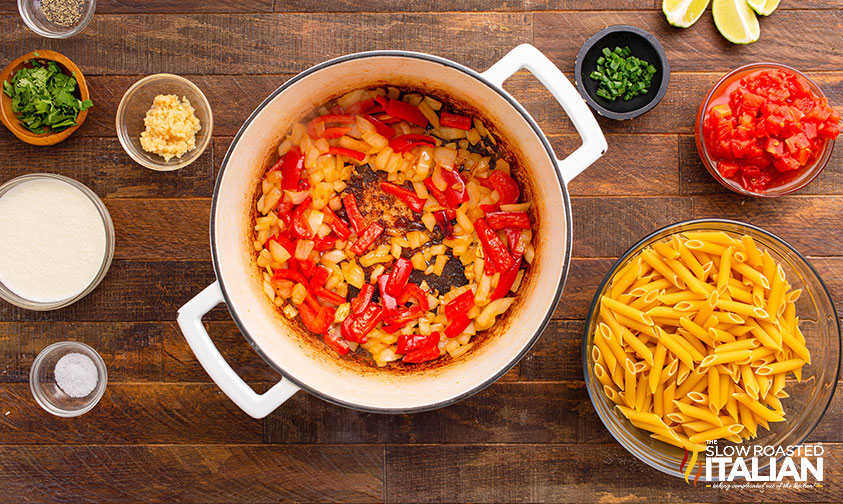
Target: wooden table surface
(164,433)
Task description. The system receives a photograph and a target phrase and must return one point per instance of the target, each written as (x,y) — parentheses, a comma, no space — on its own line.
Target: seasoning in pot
(171,127)
(62,12)
(76,374)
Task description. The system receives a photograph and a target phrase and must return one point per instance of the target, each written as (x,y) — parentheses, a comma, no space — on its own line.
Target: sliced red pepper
(290,274)
(404,143)
(342,151)
(506,187)
(323,244)
(460,305)
(291,167)
(335,132)
(336,109)
(506,280)
(333,340)
(361,107)
(507,220)
(383,129)
(493,246)
(450,120)
(315,126)
(516,246)
(490,208)
(390,304)
(444,223)
(382,101)
(489,267)
(388,119)
(338,226)
(407,112)
(310,300)
(367,238)
(329,296)
(409,197)
(356,327)
(425,354)
(409,342)
(403,315)
(440,197)
(317,320)
(456,192)
(484,181)
(413,291)
(354,215)
(300,224)
(362,299)
(398,277)
(392,328)
(457,326)
(320,276)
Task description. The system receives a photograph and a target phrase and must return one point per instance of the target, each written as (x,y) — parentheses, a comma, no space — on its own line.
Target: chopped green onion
(621,75)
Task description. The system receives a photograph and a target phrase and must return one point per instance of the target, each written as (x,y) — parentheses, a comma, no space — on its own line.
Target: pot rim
(568,229)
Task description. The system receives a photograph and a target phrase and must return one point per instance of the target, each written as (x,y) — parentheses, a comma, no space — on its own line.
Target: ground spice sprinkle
(62,12)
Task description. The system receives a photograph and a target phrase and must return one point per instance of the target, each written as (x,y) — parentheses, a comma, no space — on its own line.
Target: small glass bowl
(42,380)
(8,295)
(809,399)
(30,11)
(800,178)
(136,102)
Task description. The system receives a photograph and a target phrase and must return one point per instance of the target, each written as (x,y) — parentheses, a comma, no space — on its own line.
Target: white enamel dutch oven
(302,359)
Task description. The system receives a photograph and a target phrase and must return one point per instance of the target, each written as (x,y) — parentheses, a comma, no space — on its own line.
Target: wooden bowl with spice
(51,130)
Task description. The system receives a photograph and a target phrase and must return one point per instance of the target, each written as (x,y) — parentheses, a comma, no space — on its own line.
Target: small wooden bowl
(13,123)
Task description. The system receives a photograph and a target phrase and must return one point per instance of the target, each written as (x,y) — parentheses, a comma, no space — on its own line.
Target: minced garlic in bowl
(171,127)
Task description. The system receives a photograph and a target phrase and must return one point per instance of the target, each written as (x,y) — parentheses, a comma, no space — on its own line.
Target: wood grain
(161,229)
(209,474)
(495,5)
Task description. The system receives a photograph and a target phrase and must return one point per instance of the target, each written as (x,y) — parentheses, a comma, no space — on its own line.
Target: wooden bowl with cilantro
(44,97)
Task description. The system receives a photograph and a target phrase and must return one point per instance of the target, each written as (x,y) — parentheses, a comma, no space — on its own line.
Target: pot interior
(299,355)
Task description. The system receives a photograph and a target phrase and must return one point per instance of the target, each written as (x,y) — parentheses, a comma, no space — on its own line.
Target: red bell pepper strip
(382,101)
(403,315)
(362,300)
(450,120)
(284,211)
(513,236)
(334,341)
(409,197)
(342,151)
(367,238)
(320,276)
(329,296)
(490,208)
(407,112)
(300,224)
(489,267)
(361,107)
(335,132)
(457,326)
(277,165)
(354,215)
(310,300)
(323,244)
(493,246)
(506,187)
(388,119)
(425,354)
(456,192)
(383,129)
(409,342)
(289,274)
(398,277)
(506,280)
(317,320)
(440,197)
(390,304)
(413,291)
(292,164)
(356,328)
(392,328)
(315,125)
(336,109)
(460,305)
(484,181)
(444,223)
(338,226)
(507,220)
(404,143)
(306,266)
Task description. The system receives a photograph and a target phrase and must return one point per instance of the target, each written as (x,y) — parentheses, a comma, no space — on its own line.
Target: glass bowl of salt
(68,378)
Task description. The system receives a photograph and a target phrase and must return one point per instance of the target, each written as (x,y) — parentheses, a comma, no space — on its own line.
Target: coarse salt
(76,374)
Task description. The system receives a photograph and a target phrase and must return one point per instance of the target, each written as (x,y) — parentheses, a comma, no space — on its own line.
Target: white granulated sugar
(76,374)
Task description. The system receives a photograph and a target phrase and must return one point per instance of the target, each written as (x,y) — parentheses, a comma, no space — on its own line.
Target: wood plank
(583,278)
(557,356)
(239,43)
(695,179)
(132,351)
(102,165)
(830,269)
(625,220)
(133,291)
(212,474)
(783,39)
(154,6)
(634,165)
(803,221)
(458,5)
(131,414)
(529,473)
(161,229)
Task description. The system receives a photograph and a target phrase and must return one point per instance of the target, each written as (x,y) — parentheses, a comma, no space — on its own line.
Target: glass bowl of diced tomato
(765,130)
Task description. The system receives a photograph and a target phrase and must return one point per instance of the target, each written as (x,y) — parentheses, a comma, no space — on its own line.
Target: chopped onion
(446,157)
(315,220)
(295,197)
(515,207)
(303,249)
(333,257)
(487,317)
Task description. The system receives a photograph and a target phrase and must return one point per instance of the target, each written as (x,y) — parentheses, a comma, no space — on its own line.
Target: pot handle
(190,320)
(593,142)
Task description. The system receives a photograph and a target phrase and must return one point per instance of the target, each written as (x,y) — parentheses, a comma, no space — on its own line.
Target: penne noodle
(626,310)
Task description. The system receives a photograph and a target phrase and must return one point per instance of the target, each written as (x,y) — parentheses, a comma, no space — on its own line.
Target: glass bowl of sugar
(68,378)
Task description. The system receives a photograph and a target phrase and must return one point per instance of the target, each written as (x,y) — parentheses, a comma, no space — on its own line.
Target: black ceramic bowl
(642,44)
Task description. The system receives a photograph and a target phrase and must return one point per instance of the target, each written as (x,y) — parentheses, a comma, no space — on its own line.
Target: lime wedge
(736,21)
(683,13)
(763,7)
